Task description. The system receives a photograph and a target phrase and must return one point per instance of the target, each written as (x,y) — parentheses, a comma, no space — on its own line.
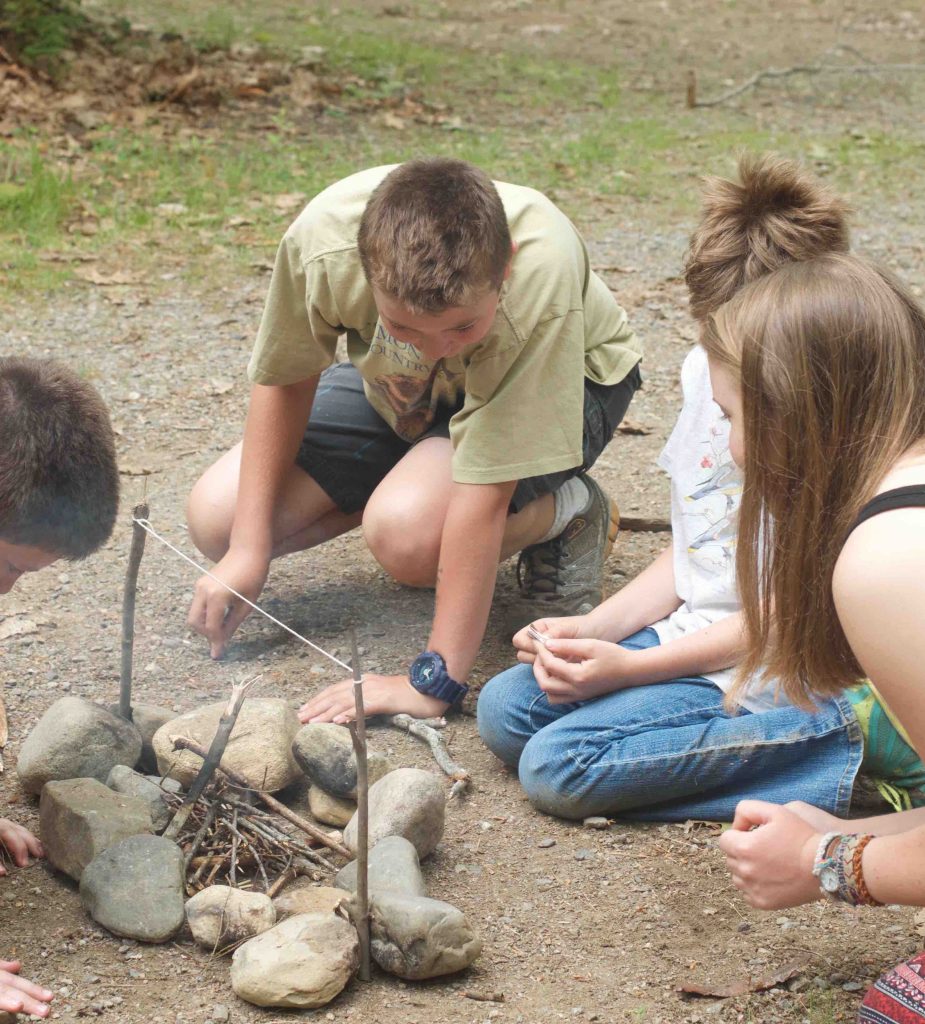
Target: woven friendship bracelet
(863,893)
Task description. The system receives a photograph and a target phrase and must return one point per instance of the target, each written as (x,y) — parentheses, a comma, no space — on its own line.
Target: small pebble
(545,844)
(596,823)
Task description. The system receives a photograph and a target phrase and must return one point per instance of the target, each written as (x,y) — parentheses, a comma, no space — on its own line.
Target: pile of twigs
(227,841)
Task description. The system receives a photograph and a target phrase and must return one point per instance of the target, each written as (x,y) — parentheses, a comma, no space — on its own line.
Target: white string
(148,528)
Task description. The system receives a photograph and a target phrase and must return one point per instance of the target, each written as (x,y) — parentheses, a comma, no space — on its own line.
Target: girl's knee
(502,714)
(548,782)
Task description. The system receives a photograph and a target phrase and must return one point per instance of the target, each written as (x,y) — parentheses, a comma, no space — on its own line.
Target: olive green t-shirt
(521,388)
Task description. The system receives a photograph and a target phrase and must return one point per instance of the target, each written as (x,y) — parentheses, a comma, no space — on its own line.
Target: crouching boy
(488,368)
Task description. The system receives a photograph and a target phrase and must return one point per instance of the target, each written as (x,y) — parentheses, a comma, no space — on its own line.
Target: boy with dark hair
(59,491)
(621,711)
(488,369)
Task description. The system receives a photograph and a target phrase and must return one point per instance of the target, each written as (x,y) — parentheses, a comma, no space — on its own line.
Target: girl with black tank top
(820,367)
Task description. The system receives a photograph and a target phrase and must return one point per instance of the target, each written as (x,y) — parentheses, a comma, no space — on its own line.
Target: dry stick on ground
(213,758)
(184,743)
(128,611)
(640,524)
(358,738)
(423,731)
(815,67)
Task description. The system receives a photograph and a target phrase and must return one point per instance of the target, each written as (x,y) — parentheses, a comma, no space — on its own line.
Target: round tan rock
(220,916)
(328,809)
(303,963)
(259,747)
(309,899)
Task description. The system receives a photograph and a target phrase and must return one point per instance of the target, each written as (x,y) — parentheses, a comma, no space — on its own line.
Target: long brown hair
(830,354)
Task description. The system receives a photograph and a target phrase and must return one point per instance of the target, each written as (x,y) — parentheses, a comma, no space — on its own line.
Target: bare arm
(275,424)
(646,599)
(466,572)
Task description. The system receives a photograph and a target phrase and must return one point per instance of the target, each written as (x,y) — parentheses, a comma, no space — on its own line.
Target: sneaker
(565,575)
(889,758)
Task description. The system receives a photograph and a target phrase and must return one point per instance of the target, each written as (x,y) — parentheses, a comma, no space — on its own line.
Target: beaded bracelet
(852,888)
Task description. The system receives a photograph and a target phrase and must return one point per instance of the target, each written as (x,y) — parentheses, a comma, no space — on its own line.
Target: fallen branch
(428,734)
(816,67)
(214,756)
(640,524)
(128,610)
(184,743)
(358,738)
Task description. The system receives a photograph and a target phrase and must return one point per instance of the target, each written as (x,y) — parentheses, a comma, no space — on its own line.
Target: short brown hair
(434,234)
(775,213)
(830,354)
(59,485)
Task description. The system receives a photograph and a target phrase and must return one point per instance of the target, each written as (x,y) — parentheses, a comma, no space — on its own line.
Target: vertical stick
(358,736)
(213,757)
(128,611)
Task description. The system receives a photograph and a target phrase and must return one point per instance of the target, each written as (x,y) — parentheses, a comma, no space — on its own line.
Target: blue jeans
(669,751)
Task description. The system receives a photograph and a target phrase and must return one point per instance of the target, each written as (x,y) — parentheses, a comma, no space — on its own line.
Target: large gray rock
(416,937)
(80,818)
(393,867)
(149,788)
(76,739)
(221,916)
(325,753)
(303,962)
(135,889)
(407,802)
(328,809)
(148,718)
(258,749)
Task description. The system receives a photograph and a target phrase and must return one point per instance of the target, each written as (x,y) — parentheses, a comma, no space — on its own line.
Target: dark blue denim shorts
(348,448)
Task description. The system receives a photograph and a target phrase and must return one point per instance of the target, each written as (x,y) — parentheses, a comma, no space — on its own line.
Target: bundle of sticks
(227,840)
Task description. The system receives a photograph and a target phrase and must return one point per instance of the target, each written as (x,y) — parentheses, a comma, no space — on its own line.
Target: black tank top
(912,496)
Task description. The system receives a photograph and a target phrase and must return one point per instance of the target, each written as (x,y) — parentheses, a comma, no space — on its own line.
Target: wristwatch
(825,867)
(429,676)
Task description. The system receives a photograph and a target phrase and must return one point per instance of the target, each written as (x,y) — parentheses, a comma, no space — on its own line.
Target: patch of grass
(35,198)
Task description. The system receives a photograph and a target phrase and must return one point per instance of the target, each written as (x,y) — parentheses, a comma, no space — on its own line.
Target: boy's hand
(216,613)
(572,670)
(569,627)
(382,695)
(20,843)
(770,852)
(20,996)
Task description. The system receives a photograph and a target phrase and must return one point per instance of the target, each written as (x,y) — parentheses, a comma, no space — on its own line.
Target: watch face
(828,880)
(424,670)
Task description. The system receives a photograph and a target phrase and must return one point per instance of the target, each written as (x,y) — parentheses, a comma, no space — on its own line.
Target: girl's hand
(572,670)
(19,842)
(569,626)
(820,820)
(770,851)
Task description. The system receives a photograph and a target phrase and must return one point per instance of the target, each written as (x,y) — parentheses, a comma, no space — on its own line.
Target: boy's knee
(209,525)
(408,550)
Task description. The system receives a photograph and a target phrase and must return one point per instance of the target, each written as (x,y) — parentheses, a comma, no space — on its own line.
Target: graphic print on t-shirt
(413,394)
(710,507)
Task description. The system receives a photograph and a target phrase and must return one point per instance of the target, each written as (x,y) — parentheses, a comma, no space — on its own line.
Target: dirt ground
(600,925)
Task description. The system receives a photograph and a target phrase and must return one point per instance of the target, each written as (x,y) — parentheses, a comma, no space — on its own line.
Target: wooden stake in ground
(4,729)
(213,757)
(128,611)
(358,736)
